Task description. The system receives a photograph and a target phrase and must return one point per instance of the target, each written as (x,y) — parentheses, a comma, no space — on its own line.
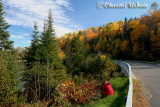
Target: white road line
(134,76)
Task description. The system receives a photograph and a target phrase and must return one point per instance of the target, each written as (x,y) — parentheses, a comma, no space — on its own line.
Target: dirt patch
(139,96)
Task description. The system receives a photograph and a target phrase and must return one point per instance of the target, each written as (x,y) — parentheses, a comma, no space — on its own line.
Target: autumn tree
(155,43)
(140,37)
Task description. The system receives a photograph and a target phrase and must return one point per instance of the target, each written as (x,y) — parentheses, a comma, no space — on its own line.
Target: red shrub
(78,94)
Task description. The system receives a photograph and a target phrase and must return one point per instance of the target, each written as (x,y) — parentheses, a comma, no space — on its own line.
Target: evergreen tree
(47,70)
(5,43)
(48,54)
(10,68)
(68,53)
(78,52)
(50,46)
(99,65)
(125,26)
(31,55)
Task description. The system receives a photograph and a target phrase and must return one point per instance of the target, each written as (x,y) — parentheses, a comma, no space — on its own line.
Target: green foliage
(77,51)
(5,43)
(31,53)
(67,51)
(45,70)
(111,70)
(10,68)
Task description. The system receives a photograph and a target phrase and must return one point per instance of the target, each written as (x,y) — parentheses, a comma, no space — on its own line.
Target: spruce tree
(49,56)
(5,43)
(31,55)
(78,52)
(67,51)
(10,68)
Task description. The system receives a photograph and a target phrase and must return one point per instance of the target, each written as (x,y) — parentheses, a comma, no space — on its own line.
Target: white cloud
(17,37)
(62,30)
(26,12)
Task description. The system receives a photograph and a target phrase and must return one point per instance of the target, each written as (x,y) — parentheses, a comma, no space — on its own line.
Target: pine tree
(78,52)
(125,26)
(10,68)
(68,53)
(99,65)
(31,55)
(49,43)
(5,43)
(48,53)
(35,37)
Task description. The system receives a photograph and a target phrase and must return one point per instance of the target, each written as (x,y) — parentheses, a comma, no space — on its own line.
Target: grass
(119,85)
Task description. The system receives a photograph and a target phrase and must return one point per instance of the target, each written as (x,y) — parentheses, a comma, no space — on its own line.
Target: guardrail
(127,72)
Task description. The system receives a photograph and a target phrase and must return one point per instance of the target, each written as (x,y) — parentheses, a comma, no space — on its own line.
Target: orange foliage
(62,55)
(140,31)
(125,45)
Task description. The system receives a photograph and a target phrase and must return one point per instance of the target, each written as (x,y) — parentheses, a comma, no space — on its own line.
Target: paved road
(149,76)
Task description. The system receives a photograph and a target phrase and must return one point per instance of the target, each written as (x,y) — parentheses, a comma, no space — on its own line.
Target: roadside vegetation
(139,96)
(120,86)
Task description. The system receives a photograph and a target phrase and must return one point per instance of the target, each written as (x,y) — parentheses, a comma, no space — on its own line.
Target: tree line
(134,39)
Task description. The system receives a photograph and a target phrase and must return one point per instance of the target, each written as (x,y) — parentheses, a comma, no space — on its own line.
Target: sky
(69,15)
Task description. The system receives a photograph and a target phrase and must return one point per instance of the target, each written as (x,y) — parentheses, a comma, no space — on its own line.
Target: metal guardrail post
(130,89)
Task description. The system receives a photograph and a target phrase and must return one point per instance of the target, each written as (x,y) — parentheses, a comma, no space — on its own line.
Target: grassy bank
(119,85)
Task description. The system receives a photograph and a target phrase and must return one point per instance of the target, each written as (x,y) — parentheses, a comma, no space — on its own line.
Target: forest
(67,71)
(133,39)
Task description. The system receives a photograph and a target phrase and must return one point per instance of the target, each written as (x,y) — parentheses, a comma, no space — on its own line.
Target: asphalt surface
(149,76)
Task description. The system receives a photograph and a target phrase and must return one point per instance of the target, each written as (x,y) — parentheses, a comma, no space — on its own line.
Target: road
(149,76)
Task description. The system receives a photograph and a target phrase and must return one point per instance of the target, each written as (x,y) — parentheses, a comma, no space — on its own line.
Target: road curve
(149,76)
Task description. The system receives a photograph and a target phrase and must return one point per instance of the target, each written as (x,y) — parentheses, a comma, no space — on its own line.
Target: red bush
(78,94)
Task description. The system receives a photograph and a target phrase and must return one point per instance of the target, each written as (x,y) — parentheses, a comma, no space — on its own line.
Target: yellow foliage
(133,24)
(81,38)
(62,55)
(103,57)
(112,29)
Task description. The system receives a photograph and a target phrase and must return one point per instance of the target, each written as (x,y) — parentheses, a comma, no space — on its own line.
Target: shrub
(78,94)
(111,69)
